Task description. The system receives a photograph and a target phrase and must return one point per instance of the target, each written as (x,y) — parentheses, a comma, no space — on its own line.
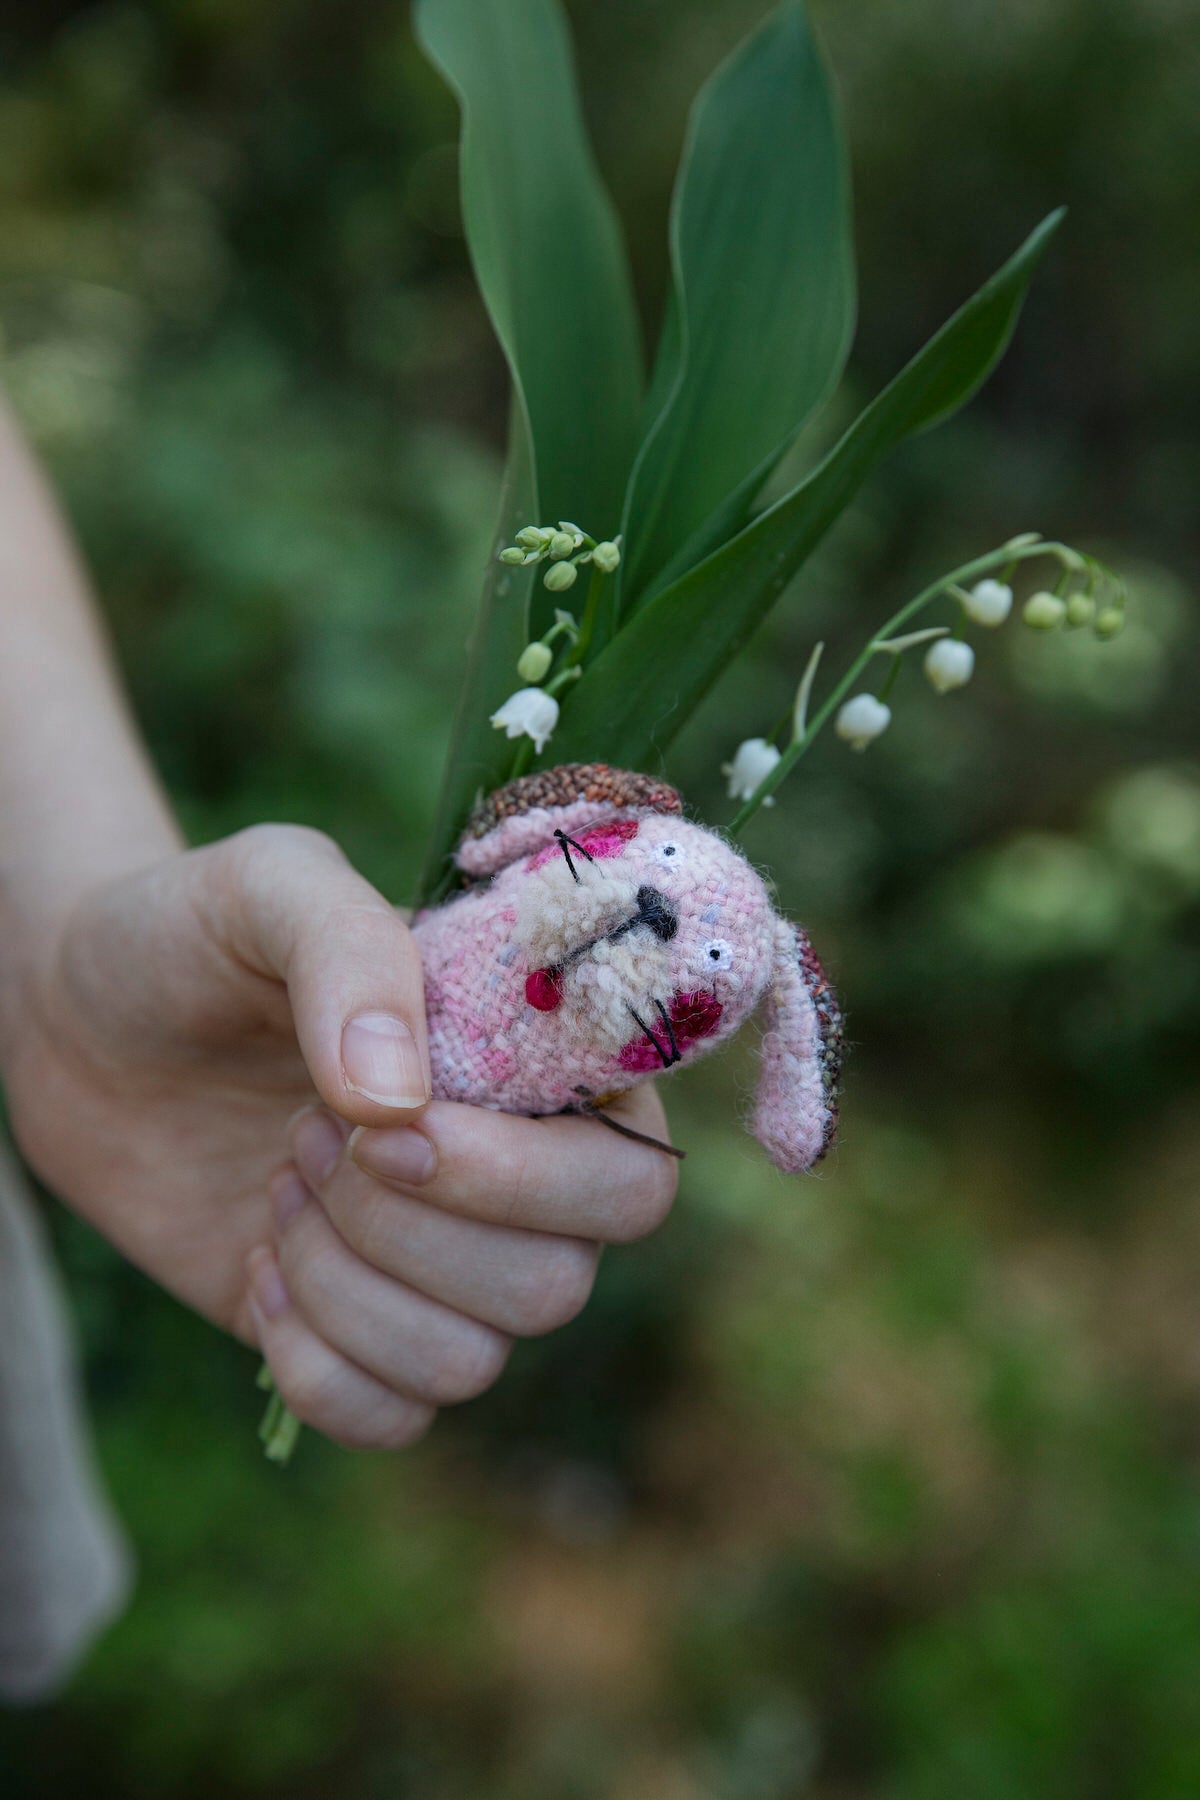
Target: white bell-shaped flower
(949,664)
(861,720)
(989,602)
(752,763)
(530,712)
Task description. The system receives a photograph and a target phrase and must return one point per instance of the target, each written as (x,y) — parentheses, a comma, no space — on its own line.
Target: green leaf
(546,247)
(762,306)
(480,757)
(551,268)
(647,682)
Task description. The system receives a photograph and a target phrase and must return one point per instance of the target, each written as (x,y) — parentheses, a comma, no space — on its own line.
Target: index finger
(564,1174)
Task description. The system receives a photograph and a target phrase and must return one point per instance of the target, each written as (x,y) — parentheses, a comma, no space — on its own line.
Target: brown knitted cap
(594,782)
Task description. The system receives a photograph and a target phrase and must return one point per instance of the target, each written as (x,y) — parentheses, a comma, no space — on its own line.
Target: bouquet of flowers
(578,932)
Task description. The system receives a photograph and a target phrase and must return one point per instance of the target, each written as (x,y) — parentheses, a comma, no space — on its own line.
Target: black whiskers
(670,1056)
(566,845)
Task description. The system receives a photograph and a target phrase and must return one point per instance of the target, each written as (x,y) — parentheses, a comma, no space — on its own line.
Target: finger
(292,908)
(522,1282)
(567,1175)
(321,1387)
(413,1344)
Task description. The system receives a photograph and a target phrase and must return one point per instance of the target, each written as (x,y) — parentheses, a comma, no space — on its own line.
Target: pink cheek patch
(543,989)
(692,1016)
(599,841)
(695,1015)
(608,840)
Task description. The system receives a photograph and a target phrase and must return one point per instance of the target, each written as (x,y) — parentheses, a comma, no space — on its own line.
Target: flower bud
(534,536)
(606,557)
(561,544)
(989,602)
(560,576)
(949,664)
(861,720)
(533,664)
(512,555)
(1109,622)
(1044,611)
(1081,609)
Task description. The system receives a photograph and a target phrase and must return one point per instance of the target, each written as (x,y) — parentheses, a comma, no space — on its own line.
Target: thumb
(296,911)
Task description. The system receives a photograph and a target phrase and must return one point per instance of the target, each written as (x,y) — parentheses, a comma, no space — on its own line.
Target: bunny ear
(522,816)
(796,1112)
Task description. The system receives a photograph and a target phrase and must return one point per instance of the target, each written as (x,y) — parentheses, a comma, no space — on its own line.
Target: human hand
(182,1027)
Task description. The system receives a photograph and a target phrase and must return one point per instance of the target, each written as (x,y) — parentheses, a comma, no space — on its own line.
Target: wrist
(43,883)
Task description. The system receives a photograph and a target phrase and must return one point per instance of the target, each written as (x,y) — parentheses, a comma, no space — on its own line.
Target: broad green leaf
(551,268)
(650,678)
(762,305)
(480,757)
(546,247)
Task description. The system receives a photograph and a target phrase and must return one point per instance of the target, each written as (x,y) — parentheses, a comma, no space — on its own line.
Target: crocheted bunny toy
(601,937)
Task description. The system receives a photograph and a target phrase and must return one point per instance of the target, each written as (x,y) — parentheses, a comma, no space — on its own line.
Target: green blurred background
(883,1485)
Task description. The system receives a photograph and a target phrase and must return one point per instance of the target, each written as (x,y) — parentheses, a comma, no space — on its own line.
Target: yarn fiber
(602,938)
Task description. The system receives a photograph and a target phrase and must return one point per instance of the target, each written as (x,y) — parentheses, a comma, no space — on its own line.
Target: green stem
(964,574)
(522,759)
(890,679)
(280,1428)
(587,625)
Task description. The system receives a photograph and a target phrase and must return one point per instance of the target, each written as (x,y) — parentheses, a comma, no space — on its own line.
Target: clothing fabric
(65,1569)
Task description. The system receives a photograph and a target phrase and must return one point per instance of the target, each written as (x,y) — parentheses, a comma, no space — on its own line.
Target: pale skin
(218,1057)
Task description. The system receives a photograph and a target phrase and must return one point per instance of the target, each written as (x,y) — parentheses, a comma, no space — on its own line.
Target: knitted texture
(606,938)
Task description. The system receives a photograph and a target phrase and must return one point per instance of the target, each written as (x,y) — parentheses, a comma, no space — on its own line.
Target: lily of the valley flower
(861,720)
(530,712)
(1044,611)
(949,664)
(752,763)
(988,602)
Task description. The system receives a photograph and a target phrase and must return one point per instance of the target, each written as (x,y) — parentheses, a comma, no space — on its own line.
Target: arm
(188,1038)
(79,802)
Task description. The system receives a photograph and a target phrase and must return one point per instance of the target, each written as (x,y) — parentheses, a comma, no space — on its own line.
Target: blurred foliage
(880,1486)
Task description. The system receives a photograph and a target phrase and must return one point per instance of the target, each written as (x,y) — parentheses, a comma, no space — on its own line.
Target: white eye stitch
(718,954)
(666,853)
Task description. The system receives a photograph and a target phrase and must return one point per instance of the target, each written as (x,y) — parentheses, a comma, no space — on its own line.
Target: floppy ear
(796,1112)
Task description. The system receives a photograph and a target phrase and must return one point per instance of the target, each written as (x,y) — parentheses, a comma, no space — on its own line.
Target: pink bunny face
(612,941)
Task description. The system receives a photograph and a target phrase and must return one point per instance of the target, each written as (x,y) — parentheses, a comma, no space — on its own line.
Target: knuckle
(245,853)
(466,1363)
(559,1285)
(392,1427)
(647,1201)
(516,1181)
(408,1424)
(364,1217)
(309,1390)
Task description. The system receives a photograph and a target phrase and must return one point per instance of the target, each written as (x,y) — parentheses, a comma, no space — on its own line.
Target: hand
(184,1026)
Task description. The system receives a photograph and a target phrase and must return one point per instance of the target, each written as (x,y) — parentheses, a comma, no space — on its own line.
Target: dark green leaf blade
(551,267)
(650,678)
(762,308)
(545,245)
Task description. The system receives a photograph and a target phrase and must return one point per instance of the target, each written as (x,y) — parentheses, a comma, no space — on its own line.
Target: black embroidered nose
(656,911)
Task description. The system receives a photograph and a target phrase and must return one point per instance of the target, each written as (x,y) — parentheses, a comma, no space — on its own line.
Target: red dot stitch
(543,989)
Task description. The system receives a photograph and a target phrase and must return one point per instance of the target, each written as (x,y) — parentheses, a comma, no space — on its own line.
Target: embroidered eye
(667,853)
(718,954)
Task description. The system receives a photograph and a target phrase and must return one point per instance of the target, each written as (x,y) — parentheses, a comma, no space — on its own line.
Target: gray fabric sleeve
(65,1570)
